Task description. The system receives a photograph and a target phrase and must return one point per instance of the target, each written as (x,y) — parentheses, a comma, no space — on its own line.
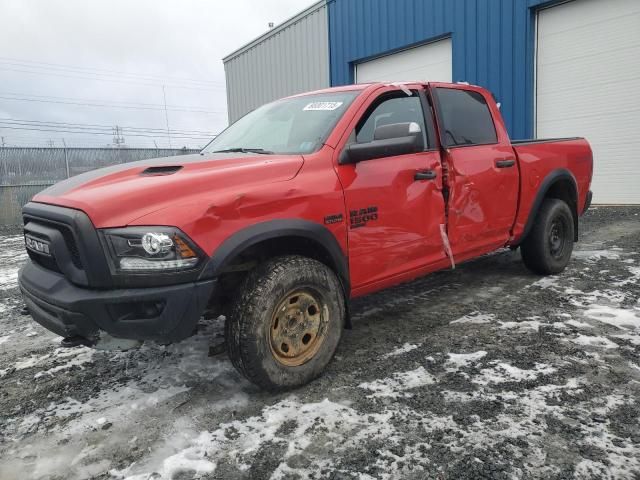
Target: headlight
(151,249)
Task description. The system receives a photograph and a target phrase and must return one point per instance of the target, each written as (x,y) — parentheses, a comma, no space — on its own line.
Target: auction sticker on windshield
(323,106)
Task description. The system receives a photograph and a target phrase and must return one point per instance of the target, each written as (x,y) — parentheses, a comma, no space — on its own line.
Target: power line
(26,135)
(15,121)
(103,146)
(201,137)
(101,71)
(107,129)
(10,137)
(36,135)
(42,141)
(115,102)
(117,80)
(83,129)
(104,105)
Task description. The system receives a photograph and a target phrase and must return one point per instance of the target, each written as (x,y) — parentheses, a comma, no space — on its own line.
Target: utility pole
(51,143)
(5,167)
(66,159)
(166,114)
(157,151)
(118,139)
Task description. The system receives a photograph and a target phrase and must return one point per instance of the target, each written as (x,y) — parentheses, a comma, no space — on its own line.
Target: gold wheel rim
(297,328)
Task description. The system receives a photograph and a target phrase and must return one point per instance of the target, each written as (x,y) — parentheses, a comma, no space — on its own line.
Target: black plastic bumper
(165,314)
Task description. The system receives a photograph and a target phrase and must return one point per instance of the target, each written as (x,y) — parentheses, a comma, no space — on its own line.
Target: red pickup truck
(293,210)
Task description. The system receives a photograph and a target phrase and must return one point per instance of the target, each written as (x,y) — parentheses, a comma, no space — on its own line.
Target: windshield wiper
(261,151)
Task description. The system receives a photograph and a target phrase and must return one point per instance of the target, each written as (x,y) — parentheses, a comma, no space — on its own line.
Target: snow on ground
(531,323)
(70,358)
(500,372)
(592,256)
(461,360)
(475,317)
(12,256)
(577,324)
(398,384)
(407,347)
(618,317)
(594,341)
(486,371)
(288,421)
(132,399)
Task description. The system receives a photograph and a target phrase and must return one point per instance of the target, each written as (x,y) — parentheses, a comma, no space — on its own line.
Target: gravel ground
(486,371)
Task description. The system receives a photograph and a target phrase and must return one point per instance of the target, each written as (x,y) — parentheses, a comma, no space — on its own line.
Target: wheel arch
(559,184)
(284,236)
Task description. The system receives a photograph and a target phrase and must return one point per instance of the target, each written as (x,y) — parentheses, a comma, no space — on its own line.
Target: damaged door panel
(482,174)
(394,203)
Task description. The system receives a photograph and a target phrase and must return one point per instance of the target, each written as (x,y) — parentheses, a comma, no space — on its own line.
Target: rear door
(395,204)
(482,170)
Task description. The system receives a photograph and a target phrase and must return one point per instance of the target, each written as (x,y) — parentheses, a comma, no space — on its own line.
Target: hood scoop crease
(164,170)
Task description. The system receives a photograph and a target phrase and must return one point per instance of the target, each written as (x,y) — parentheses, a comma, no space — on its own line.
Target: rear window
(465,117)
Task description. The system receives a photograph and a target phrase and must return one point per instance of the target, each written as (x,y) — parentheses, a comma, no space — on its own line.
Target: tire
(269,349)
(547,249)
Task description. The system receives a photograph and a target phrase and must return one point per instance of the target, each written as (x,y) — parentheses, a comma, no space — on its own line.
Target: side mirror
(388,141)
(397,130)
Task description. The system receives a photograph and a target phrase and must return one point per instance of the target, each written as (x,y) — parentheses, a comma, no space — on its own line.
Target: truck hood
(117,195)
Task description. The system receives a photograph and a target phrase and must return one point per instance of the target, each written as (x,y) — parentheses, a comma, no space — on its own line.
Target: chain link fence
(26,171)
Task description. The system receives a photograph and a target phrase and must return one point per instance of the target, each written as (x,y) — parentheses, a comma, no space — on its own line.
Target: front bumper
(165,314)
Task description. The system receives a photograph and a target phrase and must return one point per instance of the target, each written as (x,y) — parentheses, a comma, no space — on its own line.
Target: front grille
(44,261)
(76,251)
(49,262)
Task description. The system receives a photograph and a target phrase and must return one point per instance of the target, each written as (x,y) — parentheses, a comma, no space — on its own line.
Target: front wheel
(547,249)
(286,322)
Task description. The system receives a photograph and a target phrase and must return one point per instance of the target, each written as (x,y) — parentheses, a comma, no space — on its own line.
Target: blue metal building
(492,43)
(558,67)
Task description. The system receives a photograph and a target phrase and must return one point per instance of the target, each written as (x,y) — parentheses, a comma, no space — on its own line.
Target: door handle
(425,175)
(505,163)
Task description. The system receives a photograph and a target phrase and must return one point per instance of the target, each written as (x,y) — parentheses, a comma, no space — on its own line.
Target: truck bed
(538,158)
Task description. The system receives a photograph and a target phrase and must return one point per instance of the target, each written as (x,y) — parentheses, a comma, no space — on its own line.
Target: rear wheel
(548,247)
(286,322)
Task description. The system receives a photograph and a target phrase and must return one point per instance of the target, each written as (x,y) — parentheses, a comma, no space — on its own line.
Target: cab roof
(364,86)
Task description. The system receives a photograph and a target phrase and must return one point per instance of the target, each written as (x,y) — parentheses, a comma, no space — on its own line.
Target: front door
(395,204)
(482,172)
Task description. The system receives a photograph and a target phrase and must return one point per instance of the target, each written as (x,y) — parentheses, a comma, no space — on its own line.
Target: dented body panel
(119,195)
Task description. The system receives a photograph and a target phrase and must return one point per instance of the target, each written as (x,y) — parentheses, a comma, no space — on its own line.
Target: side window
(466,118)
(389,110)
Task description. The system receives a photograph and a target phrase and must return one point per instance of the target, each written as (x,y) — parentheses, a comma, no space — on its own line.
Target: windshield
(295,125)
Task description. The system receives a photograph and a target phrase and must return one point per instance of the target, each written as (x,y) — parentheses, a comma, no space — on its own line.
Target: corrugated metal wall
(290,59)
(492,40)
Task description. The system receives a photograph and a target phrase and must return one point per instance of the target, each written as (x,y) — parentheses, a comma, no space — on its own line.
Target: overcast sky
(58,56)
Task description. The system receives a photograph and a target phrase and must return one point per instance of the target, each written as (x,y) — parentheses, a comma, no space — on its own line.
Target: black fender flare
(272,229)
(548,182)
